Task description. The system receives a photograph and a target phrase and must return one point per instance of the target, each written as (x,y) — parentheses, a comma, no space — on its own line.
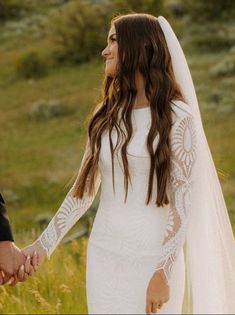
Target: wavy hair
(142,47)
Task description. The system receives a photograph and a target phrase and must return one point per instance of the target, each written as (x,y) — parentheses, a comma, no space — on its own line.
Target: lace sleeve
(183,144)
(70,211)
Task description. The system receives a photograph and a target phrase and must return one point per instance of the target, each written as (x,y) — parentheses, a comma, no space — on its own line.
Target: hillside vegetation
(51,71)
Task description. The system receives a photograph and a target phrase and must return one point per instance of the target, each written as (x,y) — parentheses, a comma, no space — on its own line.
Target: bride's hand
(157,292)
(37,254)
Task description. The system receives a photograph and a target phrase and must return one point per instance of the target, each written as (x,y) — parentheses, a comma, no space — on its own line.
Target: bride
(164,244)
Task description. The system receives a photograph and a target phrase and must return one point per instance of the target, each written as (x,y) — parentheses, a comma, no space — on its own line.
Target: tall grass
(57,288)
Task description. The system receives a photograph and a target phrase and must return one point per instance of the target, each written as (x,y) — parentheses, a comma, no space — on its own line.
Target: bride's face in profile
(110,53)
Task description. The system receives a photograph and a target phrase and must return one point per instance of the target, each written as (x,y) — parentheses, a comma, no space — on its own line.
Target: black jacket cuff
(5,227)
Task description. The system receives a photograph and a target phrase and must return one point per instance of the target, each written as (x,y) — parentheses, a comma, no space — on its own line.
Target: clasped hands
(17,265)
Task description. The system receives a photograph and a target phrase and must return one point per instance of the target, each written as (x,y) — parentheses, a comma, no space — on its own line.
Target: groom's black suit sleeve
(5,228)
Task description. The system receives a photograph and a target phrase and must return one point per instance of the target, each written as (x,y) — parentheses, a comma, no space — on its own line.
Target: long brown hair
(142,47)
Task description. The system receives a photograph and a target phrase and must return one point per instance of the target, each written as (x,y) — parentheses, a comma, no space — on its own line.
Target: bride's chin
(109,73)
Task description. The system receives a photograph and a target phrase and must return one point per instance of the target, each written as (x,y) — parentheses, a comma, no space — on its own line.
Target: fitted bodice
(138,162)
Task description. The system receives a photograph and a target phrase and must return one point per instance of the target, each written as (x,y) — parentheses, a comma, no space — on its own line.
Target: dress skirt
(122,255)
(117,284)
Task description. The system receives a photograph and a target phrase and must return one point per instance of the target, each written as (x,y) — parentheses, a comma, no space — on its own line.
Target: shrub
(10,9)
(79,31)
(149,6)
(31,65)
(226,67)
(211,41)
(201,10)
(44,110)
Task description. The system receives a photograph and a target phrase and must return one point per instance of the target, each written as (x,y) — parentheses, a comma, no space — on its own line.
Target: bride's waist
(134,202)
(129,230)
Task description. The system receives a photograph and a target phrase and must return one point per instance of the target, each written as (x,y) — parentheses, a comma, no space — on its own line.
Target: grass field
(38,158)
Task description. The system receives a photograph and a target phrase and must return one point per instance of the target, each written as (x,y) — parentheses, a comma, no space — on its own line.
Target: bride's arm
(183,144)
(70,211)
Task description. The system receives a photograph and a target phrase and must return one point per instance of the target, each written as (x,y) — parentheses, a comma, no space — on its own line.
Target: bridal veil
(209,247)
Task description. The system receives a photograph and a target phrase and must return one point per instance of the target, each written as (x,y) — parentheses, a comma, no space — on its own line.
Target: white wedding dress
(130,241)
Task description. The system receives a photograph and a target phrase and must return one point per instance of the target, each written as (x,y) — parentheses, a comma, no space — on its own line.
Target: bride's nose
(105,52)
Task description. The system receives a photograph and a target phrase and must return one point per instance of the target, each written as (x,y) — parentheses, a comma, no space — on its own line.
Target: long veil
(209,248)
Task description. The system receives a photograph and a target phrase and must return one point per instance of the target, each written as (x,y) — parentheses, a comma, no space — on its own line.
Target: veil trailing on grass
(209,247)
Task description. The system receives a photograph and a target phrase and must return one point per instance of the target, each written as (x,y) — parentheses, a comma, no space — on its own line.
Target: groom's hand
(11,257)
(11,262)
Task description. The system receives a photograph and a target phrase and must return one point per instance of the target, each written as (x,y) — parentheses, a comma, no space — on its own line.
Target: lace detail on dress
(181,178)
(70,211)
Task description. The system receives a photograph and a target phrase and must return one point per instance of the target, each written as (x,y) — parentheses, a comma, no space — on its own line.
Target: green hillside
(40,155)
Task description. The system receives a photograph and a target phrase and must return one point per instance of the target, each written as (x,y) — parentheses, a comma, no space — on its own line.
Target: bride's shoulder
(181,109)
